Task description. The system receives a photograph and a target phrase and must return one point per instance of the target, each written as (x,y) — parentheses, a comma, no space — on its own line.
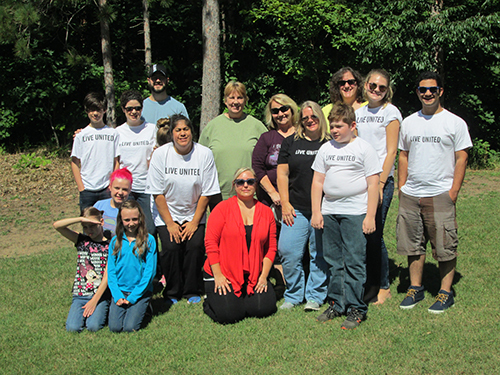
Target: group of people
(305,197)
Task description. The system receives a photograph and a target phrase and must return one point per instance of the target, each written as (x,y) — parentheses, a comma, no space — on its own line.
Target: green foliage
(31,160)
(8,120)
(481,156)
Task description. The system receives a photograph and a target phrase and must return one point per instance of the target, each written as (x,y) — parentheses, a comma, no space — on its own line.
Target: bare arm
(402,169)
(62,227)
(392,134)
(316,195)
(117,163)
(369,221)
(90,306)
(75,168)
(268,187)
(461,158)
(287,209)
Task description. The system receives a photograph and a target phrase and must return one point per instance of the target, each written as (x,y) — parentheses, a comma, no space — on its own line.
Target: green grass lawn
(35,295)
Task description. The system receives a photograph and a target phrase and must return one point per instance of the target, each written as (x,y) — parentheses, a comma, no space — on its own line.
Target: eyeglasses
(373,86)
(130,109)
(432,89)
(306,118)
(241,182)
(351,82)
(283,109)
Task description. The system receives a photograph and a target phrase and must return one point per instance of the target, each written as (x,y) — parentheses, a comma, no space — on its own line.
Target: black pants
(182,263)
(230,309)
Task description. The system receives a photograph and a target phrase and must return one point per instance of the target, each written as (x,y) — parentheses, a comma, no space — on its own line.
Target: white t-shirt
(96,149)
(346,167)
(431,142)
(183,179)
(135,147)
(371,124)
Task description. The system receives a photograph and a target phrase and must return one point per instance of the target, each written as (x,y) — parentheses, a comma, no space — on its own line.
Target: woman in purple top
(282,116)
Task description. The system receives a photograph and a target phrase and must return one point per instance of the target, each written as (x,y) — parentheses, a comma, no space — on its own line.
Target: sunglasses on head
(283,109)
(373,86)
(351,82)
(432,89)
(241,182)
(130,109)
(306,118)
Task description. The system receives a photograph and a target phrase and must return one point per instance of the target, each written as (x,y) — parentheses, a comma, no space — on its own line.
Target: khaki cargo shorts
(421,220)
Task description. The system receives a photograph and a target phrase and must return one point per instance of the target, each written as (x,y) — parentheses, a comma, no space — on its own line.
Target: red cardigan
(225,243)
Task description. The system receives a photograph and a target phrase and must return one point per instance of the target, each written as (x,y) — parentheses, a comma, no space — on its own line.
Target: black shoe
(329,314)
(353,320)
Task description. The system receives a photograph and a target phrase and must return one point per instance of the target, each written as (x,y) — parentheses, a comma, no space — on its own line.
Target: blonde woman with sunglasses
(378,123)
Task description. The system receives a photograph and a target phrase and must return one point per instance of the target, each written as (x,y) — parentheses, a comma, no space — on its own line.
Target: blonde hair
(323,126)
(240,171)
(235,86)
(281,99)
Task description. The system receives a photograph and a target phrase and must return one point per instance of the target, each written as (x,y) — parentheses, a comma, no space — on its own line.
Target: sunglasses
(373,86)
(283,109)
(130,109)
(351,82)
(241,182)
(432,89)
(306,118)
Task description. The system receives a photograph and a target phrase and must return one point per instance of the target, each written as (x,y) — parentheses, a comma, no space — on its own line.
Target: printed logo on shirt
(306,152)
(371,119)
(136,143)
(182,171)
(340,158)
(98,137)
(425,138)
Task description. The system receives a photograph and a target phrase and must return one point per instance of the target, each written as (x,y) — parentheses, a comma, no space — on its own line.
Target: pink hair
(123,174)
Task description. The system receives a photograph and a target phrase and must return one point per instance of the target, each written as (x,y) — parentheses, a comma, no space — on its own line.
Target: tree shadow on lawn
(431,278)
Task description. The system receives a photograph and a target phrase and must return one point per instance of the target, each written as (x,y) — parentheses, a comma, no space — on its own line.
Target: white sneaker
(287,306)
(311,306)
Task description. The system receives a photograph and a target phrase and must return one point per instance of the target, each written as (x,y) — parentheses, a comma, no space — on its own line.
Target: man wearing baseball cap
(159,104)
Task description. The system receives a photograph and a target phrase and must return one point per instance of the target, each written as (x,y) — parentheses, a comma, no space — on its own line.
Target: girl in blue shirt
(131,268)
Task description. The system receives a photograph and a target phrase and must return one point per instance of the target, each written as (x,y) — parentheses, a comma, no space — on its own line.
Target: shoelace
(441,297)
(411,293)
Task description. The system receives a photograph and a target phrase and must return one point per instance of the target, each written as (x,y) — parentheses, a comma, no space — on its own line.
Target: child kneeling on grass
(90,305)
(347,170)
(131,268)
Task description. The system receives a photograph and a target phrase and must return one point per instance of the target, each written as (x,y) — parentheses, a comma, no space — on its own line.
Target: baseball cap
(157,68)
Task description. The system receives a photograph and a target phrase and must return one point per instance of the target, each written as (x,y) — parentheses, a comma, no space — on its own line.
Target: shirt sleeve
(284,150)
(210,184)
(148,273)
(259,156)
(155,181)
(215,225)
(112,278)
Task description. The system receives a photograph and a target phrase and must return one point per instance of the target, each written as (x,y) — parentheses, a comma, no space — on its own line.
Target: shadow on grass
(431,277)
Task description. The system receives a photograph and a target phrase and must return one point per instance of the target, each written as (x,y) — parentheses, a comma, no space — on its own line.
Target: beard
(152,89)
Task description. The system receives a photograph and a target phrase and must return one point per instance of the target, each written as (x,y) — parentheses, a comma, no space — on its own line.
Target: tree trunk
(107,63)
(210,101)
(148,58)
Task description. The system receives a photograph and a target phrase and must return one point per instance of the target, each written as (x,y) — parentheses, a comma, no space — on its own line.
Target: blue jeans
(128,318)
(292,245)
(76,322)
(384,209)
(144,201)
(345,251)
(89,198)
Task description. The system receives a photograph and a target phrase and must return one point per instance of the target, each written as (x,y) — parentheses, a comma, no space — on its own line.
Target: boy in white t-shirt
(431,169)
(95,153)
(347,170)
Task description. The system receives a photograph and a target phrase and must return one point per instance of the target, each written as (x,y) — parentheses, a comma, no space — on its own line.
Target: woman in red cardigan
(240,242)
